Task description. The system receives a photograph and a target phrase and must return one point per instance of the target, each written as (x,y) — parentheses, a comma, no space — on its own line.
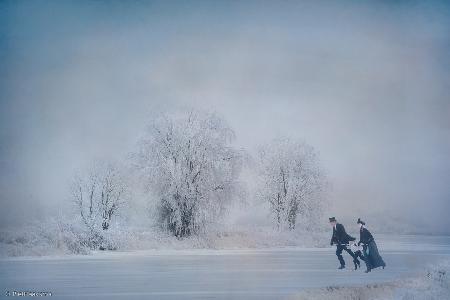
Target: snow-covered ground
(49,239)
(433,283)
(271,273)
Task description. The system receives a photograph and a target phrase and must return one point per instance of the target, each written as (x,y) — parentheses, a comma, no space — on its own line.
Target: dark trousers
(359,254)
(339,249)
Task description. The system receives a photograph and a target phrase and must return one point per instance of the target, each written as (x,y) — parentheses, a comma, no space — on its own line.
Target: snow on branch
(188,161)
(291,181)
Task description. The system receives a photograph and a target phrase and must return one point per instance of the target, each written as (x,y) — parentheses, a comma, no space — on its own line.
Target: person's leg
(366,259)
(339,249)
(359,255)
(355,258)
(349,251)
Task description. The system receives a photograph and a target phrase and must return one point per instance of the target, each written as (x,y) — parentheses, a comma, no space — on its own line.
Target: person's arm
(338,234)
(351,238)
(366,236)
(344,236)
(340,230)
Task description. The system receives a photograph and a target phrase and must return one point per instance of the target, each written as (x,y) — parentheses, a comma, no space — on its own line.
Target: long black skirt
(372,256)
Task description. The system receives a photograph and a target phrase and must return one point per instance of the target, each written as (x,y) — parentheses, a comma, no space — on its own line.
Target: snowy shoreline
(431,284)
(42,243)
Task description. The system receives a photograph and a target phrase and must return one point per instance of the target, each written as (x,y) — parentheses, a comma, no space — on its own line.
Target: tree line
(187,161)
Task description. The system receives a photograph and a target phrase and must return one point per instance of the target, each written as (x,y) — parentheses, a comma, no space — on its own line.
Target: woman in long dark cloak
(370,250)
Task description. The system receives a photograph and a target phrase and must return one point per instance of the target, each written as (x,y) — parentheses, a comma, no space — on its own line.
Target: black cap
(360,222)
(332,219)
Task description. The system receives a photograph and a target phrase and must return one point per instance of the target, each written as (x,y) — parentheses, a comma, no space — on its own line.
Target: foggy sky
(366,83)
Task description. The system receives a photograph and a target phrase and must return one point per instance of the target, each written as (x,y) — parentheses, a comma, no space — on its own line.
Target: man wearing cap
(341,239)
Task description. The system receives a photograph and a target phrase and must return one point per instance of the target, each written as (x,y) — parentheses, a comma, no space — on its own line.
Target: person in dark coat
(370,250)
(341,239)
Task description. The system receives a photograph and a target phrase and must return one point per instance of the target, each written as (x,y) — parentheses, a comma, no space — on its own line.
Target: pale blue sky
(366,83)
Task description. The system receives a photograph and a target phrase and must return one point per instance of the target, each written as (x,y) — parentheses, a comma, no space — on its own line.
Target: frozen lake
(211,274)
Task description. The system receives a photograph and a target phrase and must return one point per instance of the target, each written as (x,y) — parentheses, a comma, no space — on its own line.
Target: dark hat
(360,222)
(332,219)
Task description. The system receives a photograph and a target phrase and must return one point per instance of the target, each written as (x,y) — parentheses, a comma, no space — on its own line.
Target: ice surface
(272,273)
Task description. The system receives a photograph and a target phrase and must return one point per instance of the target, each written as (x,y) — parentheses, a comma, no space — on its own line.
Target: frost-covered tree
(99,195)
(291,181)
(187,160)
